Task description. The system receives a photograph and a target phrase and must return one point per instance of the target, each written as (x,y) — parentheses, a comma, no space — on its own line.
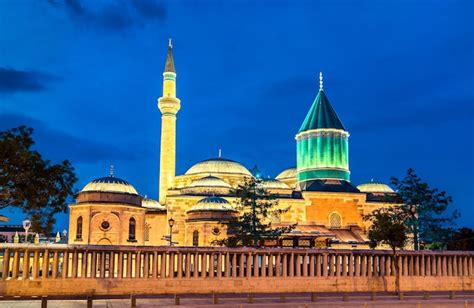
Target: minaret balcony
(169,105)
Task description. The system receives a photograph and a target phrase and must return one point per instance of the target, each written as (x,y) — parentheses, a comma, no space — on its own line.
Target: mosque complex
(326,206)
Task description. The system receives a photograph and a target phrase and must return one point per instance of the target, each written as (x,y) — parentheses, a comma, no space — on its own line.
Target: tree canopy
(424,209)
(34,185)
(461,239)
(257,209)
(388,228)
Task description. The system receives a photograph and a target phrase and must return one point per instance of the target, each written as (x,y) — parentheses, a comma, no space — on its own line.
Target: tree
(388,228)
(462,239)
(257,208)
(424,208)
(33,184)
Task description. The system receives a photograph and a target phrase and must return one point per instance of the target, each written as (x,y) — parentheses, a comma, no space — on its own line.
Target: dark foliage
(424,209)
(33,184)
(257,209)
(462,239)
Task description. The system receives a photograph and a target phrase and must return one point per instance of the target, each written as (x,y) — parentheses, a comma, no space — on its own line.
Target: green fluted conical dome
(322,145)
(321,115)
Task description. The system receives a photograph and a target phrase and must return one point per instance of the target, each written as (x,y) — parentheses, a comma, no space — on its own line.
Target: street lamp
(26,226)
(171,224)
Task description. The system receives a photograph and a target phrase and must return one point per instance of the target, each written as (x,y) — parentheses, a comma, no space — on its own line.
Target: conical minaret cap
(169,65)
(321,114)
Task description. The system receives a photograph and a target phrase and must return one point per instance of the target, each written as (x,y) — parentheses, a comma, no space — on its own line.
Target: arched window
(131,229)
(147,232)
(335,220)
(196,238)
(79,228)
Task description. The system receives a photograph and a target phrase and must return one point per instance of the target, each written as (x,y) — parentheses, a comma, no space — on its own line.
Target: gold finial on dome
(111,171)
(320,81)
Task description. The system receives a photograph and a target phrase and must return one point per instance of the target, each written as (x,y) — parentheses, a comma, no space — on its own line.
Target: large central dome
(218,165)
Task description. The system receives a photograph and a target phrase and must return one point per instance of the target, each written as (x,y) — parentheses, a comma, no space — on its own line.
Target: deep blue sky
(400,74)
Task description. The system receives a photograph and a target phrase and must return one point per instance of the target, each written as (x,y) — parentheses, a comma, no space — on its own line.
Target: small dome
(273,184)
(212,203)
(110,184)
(152,204)
(375,187)
(218,165)
(209,181)
(289,173)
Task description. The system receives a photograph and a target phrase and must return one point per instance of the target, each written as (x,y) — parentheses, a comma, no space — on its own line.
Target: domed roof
(218,165)
(289,173)
(375,187)
(110,184)
(152,204)
(273,184)
(209,181)
(212,203)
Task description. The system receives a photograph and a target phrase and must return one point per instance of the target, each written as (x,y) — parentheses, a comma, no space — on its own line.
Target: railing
(33,263)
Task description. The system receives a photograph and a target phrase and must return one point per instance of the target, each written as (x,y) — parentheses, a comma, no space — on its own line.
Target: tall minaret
(169,106)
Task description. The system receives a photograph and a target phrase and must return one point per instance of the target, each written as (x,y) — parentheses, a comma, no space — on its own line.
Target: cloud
(12,80)
(57,145)
(112,15)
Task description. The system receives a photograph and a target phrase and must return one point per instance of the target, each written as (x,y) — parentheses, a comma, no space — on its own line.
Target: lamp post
(26,226)
(171,224)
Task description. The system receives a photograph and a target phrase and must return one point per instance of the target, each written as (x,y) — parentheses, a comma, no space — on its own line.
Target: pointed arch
(195,238)
(335,220)
(79,228)
(132,227)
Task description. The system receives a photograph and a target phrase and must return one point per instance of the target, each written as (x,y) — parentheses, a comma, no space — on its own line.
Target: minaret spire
(320,81)
(169,64)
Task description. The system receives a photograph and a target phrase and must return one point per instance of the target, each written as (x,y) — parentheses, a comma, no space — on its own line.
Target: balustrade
(103,262)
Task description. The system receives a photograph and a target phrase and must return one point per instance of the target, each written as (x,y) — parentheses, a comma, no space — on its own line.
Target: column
(102,264)
(227,265)
(196,265)
(26,265)
(357,264)
(219,265)
(64,270)
(325,264)
(6,264)
(278,265)
(285,265)
(188,265)
(45,269)
(292,265)
(311,265)
(16,264)
(120,265)
(180,265)
(234,265)
(428,266)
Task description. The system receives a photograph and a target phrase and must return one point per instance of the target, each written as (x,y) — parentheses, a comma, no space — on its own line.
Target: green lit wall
(323,153)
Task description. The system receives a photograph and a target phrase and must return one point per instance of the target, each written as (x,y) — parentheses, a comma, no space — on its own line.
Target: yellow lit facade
(326,206)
